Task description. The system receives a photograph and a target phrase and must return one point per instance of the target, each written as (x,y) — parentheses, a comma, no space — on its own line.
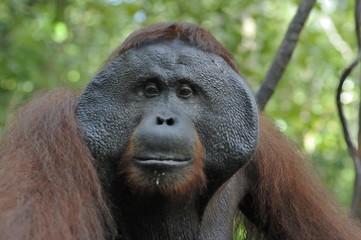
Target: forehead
(173,51)
(175,56)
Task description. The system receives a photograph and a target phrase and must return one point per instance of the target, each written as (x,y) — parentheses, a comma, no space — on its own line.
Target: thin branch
(284,53)
(353,151)
(351,148)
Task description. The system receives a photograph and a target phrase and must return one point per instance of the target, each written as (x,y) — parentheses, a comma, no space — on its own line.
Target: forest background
(48,44)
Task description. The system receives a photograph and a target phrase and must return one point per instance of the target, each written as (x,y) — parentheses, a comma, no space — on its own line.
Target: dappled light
(48,44)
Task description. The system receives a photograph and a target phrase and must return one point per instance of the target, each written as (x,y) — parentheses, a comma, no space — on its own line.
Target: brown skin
(50,184)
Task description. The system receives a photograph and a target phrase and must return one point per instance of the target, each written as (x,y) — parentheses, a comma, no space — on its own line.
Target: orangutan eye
(151,90)
(185,91)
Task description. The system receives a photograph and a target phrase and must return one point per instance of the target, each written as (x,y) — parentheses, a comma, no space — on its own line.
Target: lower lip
(162,164)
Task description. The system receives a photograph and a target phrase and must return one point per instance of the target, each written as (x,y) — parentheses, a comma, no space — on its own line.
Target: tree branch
(353,151)
(284,53)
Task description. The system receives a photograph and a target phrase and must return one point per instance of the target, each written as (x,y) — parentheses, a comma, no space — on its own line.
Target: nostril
(170,121)
(160,121)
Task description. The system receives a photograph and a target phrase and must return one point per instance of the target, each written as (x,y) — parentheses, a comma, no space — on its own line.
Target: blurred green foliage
(46,44)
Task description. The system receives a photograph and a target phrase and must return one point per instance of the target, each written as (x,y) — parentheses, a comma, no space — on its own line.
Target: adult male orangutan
(165,142)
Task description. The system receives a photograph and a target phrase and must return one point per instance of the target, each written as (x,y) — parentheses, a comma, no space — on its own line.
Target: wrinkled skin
(159,99)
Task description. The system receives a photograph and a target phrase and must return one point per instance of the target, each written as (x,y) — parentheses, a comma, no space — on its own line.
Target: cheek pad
(104,118)
(229,127)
